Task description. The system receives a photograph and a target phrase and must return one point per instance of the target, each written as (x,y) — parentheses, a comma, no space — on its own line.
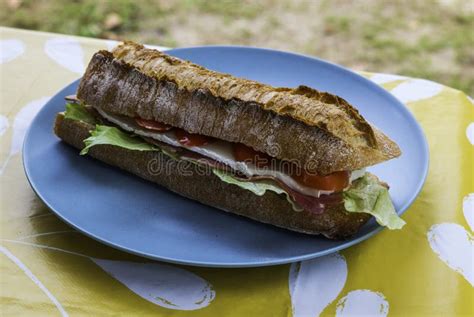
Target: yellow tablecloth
(47,268)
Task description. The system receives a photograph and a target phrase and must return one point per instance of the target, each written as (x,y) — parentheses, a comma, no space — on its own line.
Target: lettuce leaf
(113,136)
(105,134)
(258,188)
(367,195)
(76,111)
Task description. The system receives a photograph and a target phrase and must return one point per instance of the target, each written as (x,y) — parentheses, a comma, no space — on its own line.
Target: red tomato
(243,153)
(336,181)
(190,139)
(153,125)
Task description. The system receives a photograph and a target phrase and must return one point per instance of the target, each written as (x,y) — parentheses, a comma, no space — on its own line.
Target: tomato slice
(153,125)
(243,153)
(190,139)
(336,181)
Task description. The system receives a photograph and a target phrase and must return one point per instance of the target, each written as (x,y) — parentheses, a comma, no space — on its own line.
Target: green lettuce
(258,188)
(76,111)
(113,136)
(105,134)
(367,195)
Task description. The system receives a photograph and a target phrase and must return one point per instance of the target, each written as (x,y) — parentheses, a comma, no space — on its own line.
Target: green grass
(85,18)
(226,8)
(337,24)
(423,38)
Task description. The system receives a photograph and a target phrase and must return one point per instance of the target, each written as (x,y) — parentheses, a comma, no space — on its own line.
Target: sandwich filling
(237,156)
(240,165)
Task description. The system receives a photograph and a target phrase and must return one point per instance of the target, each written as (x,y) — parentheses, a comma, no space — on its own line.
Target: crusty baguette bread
(318,130)
(207,188)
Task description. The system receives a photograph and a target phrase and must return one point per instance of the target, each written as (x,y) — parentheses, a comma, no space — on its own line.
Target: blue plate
(136,216)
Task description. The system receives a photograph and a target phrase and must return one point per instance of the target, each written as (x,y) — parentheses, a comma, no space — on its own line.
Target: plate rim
(260,263)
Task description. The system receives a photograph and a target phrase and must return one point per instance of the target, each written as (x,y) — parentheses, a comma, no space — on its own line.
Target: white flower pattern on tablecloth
(3,124)
(470,133)
(453,244)
(362,302)
(10,49)
(164,285)
(471,100)
(20,124)
(386,78)
(67,52)
(316,283)
(416,89)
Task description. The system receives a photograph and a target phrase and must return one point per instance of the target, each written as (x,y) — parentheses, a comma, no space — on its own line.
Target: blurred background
(420,38)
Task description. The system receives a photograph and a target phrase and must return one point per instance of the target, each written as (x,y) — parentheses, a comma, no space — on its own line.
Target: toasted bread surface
(317,130)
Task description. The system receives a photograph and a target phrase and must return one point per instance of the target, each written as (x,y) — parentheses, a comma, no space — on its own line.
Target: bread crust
(320,131)
(207,188)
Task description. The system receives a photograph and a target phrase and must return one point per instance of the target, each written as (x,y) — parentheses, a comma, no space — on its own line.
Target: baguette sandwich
(291,157)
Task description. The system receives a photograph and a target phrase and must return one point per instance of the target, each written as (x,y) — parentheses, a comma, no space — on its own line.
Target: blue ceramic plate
(136,216)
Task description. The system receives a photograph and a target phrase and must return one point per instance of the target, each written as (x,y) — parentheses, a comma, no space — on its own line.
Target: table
(47,268)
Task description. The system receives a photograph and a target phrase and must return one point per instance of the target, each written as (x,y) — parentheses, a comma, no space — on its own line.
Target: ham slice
(313,204)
